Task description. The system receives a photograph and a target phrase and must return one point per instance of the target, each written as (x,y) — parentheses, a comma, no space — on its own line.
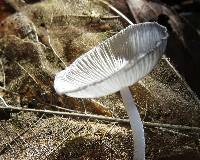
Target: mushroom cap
(118,62)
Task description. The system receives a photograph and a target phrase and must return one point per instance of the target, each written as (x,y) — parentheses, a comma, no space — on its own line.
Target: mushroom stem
(136,124)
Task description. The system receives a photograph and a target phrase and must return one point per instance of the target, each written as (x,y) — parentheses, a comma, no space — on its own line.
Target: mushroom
(114,65)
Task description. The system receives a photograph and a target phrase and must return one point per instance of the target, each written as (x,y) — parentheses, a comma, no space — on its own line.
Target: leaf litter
(32,51)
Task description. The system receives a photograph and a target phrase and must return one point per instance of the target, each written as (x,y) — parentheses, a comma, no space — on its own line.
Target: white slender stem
(136,124)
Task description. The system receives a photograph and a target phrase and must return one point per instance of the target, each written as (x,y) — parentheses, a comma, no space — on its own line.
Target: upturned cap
(118,62)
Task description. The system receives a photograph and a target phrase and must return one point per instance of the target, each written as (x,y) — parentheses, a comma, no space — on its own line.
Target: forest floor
(39,39)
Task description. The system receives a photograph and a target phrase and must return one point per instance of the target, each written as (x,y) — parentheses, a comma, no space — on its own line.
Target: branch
(116,11)
(91,116)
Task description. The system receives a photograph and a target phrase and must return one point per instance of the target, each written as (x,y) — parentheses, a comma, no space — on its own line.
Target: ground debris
(48,36)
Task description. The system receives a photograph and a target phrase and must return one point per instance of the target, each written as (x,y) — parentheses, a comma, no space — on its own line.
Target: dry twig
(117,11)
(91,116)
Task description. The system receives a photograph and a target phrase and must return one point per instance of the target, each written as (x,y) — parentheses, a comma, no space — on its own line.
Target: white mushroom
(112,66)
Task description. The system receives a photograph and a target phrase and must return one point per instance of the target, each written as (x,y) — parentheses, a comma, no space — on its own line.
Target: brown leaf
(144,11)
